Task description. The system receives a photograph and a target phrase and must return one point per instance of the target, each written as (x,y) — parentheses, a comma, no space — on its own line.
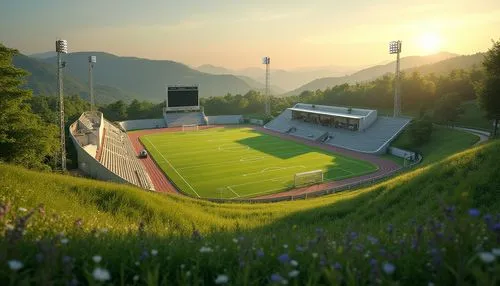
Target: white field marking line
(255,182)
(264,192)
(272,169)
(251,159)
(165,159)
(233,191)
(235,148)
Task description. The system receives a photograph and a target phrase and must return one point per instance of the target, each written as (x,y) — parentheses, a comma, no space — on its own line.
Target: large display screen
(180,96)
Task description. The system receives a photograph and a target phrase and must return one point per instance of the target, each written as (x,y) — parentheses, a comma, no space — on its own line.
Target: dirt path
(162,184)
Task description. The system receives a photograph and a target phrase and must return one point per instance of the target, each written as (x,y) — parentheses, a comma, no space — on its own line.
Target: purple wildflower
(388,268)
(284,258)
(300,248)
(260,253)
(276,278)
(337,266)
(390,228)
(474,212)
(372,239)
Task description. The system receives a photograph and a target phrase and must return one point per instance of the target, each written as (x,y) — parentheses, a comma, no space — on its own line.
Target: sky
(237,34)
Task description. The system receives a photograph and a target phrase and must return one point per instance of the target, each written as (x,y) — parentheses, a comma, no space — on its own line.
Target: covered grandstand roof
(330,113)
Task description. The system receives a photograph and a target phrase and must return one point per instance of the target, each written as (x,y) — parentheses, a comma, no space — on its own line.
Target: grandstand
(359,130)
(177,119)
(105,152)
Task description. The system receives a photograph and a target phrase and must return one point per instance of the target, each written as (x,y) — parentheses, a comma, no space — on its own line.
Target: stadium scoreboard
(182,97)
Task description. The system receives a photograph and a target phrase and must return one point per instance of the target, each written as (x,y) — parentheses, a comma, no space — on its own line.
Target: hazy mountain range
(127,77)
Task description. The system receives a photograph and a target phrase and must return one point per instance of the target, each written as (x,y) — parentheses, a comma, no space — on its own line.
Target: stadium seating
(375,139)
(178,119)
(118,155)
(225,119)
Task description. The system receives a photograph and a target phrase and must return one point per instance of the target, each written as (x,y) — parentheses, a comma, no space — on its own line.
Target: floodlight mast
(267,62)
(61,48)
(92,61)
(395,48)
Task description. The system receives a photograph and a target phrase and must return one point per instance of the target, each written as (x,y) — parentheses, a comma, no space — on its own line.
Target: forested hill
(441,63)
(147,78)
(42,80)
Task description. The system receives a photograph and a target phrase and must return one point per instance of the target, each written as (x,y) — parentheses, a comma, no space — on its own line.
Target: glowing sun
(430,43)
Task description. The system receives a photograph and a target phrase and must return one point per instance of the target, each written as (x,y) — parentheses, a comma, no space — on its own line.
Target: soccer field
(242,162)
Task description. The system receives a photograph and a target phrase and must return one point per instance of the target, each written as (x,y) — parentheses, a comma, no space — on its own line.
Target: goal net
(190,127)
(308,178)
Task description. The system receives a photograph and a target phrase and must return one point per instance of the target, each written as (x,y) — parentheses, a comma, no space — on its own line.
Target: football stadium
(307,150)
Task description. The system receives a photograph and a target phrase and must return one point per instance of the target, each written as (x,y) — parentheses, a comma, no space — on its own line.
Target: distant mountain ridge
(407,63)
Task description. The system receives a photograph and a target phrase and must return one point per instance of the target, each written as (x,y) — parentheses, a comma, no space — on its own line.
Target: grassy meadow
(437,224)
(242,162)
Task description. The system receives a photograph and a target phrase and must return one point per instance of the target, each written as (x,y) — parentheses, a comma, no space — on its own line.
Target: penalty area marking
(229,188)
(165,159)
(232,148)
(272,169)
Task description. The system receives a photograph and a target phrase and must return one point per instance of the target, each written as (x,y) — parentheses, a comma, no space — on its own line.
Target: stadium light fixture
(61,48)
(395,48)
(92,61)
(267,61)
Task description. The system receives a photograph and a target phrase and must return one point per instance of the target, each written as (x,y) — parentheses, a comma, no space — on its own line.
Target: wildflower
(487,257)
(314,255)
(64,241)
(496,251)
(293,273)
(221,279)
(136,278)
(66,259)
(294,263)
(205,249)
(300,248)
(137,263)
(97,258)
(388,268)
(188,273)
(372,239)
(154,252)
(22,209)
(337,266)
(390,228)
(276,278)
(284,258)
(260,253)
(101,274)
(285,246)
(15,265)
(235,240)
(474,212)
(104,230)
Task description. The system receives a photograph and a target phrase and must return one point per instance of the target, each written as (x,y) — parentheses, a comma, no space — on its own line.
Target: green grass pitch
(242,162)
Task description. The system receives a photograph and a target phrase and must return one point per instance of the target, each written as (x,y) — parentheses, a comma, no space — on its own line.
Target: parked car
(143,154)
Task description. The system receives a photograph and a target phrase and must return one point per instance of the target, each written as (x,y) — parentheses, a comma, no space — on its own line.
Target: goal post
(308,178)
(190,127)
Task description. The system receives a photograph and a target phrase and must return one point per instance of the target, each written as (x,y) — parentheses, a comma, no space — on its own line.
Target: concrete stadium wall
(401,152)
(89,165)
(368,120)
(129,125)
(259,122)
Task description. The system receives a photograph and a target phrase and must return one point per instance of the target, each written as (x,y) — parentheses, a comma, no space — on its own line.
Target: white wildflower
(487,257)
(136,278)
(389,268)
(101,274)
(205,249)
(293,273)
(137,263)
(64,241)
(294,263)
(97,258)
(15,265)
(496,251)
(235,240)
(221,279)
(188,273)
(22,209)
(285,246)
(314,255)
(154,252)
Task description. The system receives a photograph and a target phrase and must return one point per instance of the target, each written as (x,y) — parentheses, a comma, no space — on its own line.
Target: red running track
(162,184)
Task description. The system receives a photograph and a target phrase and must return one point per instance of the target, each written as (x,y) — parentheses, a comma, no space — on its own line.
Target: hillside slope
(147,78)
(440,64)
(42,80)
(255,243)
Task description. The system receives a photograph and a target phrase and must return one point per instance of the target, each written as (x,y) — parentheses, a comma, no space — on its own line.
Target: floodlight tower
(267,62)
(92,61)
(61,48)
(395,48)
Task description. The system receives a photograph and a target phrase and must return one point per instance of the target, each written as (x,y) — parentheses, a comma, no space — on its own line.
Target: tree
(420,131)
(448,108)
(489,90)
(24,138)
